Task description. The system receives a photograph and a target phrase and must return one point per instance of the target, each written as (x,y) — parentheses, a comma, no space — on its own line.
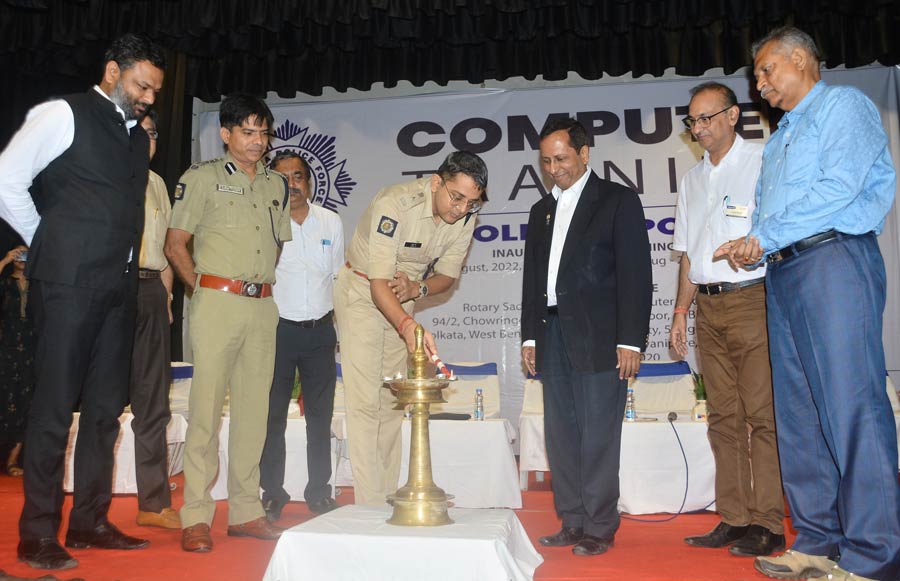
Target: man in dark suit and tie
(91,159)
(586,297)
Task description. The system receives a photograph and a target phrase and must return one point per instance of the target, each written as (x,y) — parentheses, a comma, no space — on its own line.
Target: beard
(132,107)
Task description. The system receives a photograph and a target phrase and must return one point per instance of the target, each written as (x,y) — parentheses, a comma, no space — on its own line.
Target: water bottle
(630,414)
(479,404)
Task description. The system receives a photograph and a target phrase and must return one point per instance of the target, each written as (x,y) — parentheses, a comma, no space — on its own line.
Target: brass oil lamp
(419,502)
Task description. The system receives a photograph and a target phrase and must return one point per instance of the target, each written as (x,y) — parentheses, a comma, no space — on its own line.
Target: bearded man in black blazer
(586,297)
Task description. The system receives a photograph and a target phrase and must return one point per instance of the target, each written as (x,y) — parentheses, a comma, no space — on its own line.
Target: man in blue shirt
(826,184)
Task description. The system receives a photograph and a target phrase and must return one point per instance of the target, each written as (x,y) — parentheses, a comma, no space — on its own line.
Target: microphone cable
(671,418)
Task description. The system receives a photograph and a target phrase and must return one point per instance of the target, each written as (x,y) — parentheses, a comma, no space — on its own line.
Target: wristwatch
(423,290)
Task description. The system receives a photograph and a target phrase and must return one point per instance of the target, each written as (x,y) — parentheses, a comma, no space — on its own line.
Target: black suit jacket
(604,285)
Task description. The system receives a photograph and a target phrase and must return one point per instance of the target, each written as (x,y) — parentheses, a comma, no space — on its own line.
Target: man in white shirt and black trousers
(305,340)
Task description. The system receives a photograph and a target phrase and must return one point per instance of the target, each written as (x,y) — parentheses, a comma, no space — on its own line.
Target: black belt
(554,310)
(312,323)
(801,245)
(724,287)
(148,273)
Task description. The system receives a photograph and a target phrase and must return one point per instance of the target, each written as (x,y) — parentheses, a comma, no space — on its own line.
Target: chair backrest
(533,399)
(460,395)
(664,387)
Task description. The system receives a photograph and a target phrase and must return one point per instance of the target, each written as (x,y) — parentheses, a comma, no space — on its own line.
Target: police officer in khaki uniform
(234,210)
(407,231)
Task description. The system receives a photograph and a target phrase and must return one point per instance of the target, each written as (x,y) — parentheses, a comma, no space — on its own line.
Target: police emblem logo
(387,226)
(179,191)
(329,173)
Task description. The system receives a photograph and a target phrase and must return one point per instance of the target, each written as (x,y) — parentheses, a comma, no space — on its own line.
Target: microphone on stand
(672,416)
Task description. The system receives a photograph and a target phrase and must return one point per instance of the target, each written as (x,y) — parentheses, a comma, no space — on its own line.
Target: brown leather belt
(255,290)
(356,272)
(148,273)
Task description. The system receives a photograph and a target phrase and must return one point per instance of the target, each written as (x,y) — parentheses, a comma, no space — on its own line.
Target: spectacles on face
(152,134)
(703,120)
(459,201)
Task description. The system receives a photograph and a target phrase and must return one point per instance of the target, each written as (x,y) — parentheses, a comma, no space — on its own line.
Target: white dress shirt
(715,205)
(304,277)
(566,202)
(47,133)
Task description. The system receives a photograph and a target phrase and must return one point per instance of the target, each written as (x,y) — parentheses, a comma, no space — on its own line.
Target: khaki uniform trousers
(233,339)
(734,353)
(370,350)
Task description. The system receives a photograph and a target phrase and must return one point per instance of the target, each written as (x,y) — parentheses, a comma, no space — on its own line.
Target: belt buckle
(774,257)
(250,289)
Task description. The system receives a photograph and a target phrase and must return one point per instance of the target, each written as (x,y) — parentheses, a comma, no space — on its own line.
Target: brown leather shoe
(258,529)
(164,519)
(196,539)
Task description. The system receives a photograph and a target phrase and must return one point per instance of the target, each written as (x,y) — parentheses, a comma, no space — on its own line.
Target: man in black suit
(586,297)
(84,230)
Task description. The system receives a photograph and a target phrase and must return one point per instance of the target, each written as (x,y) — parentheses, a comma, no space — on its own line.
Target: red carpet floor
(644,551)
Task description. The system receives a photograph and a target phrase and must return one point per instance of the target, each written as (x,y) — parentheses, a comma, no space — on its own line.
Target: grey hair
(789,38)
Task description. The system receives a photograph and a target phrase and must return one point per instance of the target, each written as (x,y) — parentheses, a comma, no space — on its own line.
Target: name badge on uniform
(230,189)
(735,210)
(413,245)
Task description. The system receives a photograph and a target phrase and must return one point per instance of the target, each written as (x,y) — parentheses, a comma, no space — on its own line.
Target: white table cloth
(652,469)
(355,542)
(124,479)
(472,460)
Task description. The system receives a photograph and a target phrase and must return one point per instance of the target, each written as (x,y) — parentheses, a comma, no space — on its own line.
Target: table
(474,461)
(652,468)
(355,542)
(124,480)
(296,473)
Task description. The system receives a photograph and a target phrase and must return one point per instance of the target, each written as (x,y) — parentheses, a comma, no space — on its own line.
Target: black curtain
(214,47)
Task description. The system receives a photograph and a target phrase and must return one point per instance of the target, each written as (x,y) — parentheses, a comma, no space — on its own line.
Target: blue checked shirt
(826,167)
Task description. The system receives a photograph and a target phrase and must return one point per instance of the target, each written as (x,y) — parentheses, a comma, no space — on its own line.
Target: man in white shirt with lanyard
(305,340)
(715,204)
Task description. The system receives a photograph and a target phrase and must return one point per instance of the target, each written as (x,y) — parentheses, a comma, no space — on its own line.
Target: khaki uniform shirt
(397,232)
(157,212)
(238,225)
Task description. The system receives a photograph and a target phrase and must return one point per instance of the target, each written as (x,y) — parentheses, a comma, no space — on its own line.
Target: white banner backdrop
(357,147)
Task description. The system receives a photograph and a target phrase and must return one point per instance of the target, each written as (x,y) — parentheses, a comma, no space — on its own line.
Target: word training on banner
(357,147)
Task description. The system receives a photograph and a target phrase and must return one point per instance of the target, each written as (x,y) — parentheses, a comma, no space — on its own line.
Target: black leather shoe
(564,538)
(273,509)
(104,536)
(590,545)
(322,506)
(721,536)
(758,542)
(45,553)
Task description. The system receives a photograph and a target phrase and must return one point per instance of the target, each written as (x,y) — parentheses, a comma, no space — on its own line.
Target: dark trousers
(83,354)
(151,376)
(836,432)
(583,426)
(311,352)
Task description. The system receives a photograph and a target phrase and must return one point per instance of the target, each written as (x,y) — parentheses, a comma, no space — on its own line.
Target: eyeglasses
(704,120)
(460,201)
(152,133)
